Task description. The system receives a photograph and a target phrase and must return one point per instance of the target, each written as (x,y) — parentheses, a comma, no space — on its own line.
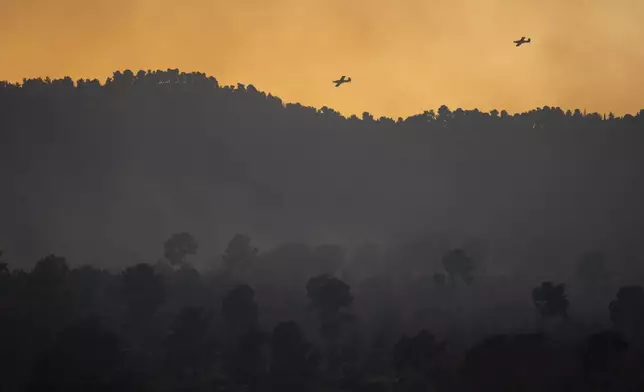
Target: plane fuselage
(342,80)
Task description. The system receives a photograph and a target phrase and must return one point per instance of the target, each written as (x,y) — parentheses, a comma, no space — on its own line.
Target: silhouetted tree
(329,296)
(239,255)
(627,313)
(86,357)
(239,310)
(444,114)
(163,268)
(50,272)
(48,294)
(459,266)
(293,361)
(186,286)
(508,363)
(551,300)
(90,287)
(191,345)
(604,362)
(245,363)
(3,266)
(5,279)
(143,290)
(420,363)
(177,247)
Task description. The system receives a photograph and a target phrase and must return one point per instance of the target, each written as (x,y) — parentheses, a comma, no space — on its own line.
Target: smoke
(404,56)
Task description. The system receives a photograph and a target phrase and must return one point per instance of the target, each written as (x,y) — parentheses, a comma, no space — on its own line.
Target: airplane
(522,41)
(341,81)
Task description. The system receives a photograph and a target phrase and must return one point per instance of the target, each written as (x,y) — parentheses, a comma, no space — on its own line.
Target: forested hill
(106,171)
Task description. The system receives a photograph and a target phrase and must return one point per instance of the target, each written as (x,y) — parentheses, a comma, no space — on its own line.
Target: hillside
(106,171)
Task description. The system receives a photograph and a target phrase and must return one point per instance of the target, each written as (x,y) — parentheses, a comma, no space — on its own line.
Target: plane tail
(349,79)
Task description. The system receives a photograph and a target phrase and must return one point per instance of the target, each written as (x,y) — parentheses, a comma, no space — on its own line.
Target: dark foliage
(627,312)
(177,247)
(94,168)
(84,357)
(239,310)
(551,300)
(421,363)
(293,361)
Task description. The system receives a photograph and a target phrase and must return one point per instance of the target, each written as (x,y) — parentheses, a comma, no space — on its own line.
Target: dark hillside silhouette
(120,165)
(132,333)
(199,237)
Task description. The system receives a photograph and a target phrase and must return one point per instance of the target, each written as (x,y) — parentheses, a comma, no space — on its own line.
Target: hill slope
(119,166)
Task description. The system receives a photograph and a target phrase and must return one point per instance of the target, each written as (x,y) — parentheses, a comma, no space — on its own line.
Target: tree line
(124,82)
(116,165)
(103,172)
(165,326)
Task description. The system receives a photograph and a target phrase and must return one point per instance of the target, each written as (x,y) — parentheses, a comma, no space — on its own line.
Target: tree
(178,246)
(366,116)
(551,300)
(509,363)
(185,286)
(86,357)
(243,351)
(477,250)
(328,296)
(239,254)
(293,361)
(239,310)
(420,362)
(5,278)
(603,361)
(49,291)
(50,271)
(191,345)
(381,309)
(143,290)
(244,362)
(627,313)
(89,284)
(458,266)
(4,269)
(444,114)
(163,268)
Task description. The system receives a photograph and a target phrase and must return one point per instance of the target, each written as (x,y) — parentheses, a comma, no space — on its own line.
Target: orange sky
(404,56)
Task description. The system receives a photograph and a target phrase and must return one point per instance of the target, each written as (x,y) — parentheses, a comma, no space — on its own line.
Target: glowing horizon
(404,57)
